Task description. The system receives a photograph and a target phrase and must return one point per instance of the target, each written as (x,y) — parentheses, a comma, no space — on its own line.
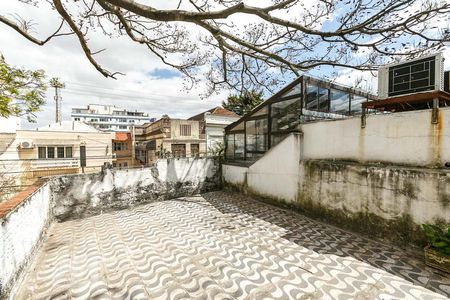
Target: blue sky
(163,73)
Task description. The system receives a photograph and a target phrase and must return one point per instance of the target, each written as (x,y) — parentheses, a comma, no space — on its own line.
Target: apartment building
(110,118)
(170,138)
(60,148)
(213,123)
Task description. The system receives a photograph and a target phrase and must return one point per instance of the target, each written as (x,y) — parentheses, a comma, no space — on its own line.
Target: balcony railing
(55,163)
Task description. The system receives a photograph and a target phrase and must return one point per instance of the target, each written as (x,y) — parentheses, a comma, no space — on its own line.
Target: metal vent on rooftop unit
(447,81)
(414,76)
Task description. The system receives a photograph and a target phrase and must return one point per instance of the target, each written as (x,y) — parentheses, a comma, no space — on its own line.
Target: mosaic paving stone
(221,246)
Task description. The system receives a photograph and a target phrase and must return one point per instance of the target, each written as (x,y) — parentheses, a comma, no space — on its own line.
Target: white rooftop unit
(423,74)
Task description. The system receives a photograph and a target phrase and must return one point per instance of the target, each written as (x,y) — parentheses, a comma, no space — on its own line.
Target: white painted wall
(175,170)
(314,170)
(276,174)
(82,195)
(20,232)
(215,129)
(400,138)
(235,175)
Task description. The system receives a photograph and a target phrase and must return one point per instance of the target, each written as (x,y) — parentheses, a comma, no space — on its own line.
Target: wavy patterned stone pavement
(221,246)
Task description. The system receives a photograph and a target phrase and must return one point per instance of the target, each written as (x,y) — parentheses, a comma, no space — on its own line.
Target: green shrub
(438,236)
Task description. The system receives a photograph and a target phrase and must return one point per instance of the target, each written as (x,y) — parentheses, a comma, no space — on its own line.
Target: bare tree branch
(239,46)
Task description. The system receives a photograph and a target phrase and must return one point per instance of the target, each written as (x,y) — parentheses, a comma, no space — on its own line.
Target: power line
(122,90)
(112,95)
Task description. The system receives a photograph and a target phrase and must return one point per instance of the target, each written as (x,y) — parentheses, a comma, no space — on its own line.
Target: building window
(185,130)
(50,152)
(69,153)
(42,152)
(122,120)
(122,127)
(125,164)
(178,150)
(195,150)
(120,146)
(60,152)
(104,119)
(77,119)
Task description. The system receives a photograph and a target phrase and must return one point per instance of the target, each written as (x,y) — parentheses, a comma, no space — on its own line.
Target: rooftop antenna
(57,84)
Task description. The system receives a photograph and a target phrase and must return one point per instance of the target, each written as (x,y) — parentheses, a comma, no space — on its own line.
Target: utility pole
(57,84)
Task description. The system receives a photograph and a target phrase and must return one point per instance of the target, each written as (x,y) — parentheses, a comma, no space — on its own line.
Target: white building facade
(213,123)
(110,118)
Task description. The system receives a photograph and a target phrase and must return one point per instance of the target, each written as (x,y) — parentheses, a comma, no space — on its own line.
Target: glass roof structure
(306,99)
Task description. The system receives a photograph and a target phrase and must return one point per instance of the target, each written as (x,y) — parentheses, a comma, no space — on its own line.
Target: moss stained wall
(378,200)
(386,201)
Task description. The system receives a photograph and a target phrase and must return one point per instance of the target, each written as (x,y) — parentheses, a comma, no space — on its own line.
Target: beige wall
(406,138)
(172,135)
(175,129)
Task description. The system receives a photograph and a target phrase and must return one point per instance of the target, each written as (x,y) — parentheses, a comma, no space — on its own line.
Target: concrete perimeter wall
(406,138)
(83,195)
(327,173)
(20,233)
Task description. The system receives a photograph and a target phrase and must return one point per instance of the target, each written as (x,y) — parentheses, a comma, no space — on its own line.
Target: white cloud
(63,58)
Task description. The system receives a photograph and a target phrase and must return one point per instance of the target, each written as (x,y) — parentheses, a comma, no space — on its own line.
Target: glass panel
(261,112)
(250,133)
(230,147)
(239,146)
(50,152)
(261,135)
(254,155)
(60,152)
(69,152)
(339,103)
(297,89)
(41,152)
(311,97)
(285,115)
(276,138)
(239,126)
(323,100)
(356,107)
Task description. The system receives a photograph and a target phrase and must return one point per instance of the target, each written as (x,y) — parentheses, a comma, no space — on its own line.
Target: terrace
(168,232)
(180,229)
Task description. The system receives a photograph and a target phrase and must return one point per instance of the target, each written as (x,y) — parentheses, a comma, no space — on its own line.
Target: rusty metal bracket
(435,111)
(363,118)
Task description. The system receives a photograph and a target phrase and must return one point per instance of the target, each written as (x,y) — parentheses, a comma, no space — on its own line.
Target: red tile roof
(216,111)
(9,205)
(220,111)
(123,136)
